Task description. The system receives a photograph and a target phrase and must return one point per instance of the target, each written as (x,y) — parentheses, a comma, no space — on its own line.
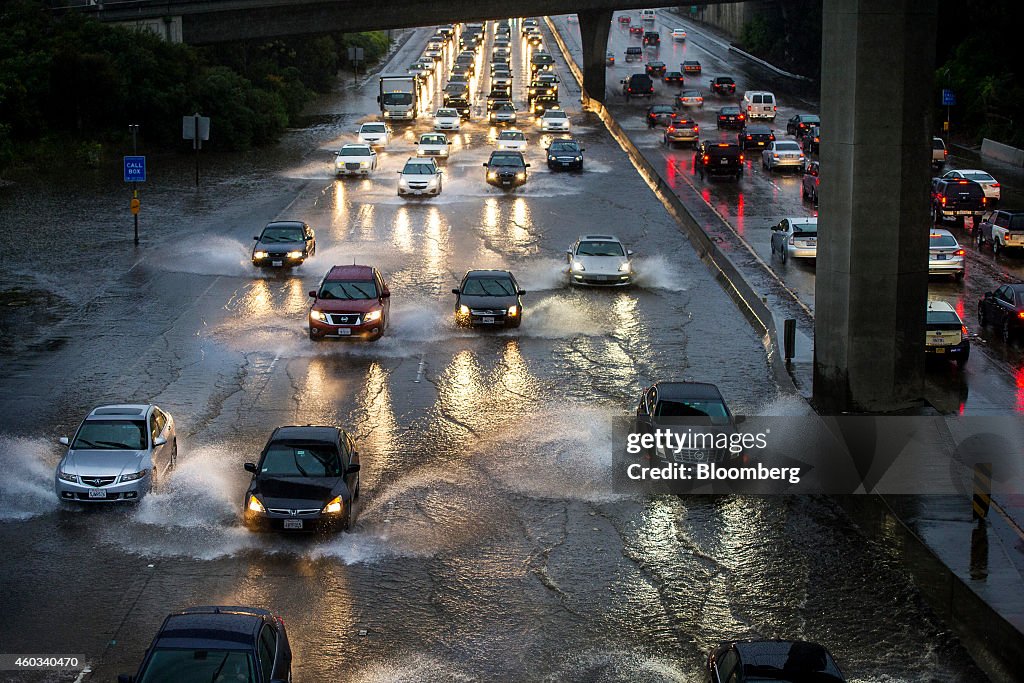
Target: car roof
(352,272)
(225,628)
(935,305)
(418,160)
(360,145)
(312,433)
(802,219)
(780,651)
(941,231)
(284,224)
(120,411)
(603,238)
(487,273)
(691,390)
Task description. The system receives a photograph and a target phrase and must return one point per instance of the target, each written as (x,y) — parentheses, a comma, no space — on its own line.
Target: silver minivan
(759,104)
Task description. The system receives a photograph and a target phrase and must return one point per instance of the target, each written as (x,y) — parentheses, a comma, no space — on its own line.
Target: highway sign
(135,169)
(948,98)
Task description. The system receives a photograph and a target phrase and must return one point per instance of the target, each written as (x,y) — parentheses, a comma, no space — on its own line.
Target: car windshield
(980,177)
(942,317)
(488,286)
(446,113)
(282,234)
(173,666)
(433,140)
(601,248)
(418,169)
(397,98)
(942,241)
(373,128)
(505,107)
(353,289)
(563,146)
(787,147)
(555,114)
(112,435)
(301,460)
(506,160)
(355,151)
(511,135)
(681,407)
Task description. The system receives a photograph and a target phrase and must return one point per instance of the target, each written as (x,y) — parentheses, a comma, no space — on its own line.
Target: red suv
(351,302)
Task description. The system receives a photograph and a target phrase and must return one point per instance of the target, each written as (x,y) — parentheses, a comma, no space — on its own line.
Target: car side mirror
(455,290)
(256,237)
(485,164)
(159,441)
(337,153)
(988,295)
(522,291)
(527,165)
(353,468)
(312,293)
(629,252)
(250,467)
(386,294)
(67,442)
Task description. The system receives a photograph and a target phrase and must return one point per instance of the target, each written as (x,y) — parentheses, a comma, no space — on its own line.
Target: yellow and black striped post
(982,490)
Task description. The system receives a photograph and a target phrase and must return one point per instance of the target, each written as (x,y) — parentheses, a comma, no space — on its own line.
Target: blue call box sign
(948,98)
(135,169)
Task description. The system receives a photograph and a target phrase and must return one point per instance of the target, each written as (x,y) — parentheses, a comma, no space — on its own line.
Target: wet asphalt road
(489,545)
(993,380)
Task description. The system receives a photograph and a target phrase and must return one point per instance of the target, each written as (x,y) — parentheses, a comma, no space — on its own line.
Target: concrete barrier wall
(729,18)
(1000,152)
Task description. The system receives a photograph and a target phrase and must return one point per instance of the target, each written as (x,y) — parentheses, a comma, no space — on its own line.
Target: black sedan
(731,117)
(244,644)
(565,154)
(506,169)
(283,244)
(660,115)
(723,85)
(307,479)
(668,404)
(656,69)
(488,298)
(756,136)
(799,124)
(1004,310)
(673,78)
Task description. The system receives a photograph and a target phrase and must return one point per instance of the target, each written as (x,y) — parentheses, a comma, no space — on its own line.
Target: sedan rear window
(982,177)
(943,317)
(112,435)
(811,228)
(787,146)
(942,241)
(1017,222)
(288,460)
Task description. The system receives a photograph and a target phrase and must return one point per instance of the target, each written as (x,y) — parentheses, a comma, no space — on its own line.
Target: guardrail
(1000,152)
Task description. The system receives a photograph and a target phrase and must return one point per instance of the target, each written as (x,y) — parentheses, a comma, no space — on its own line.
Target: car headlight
(255,505)
(551,158)
(334,507)
(259,254)
(67,476)
(513,310)
(520,176)
(371,316)
(364,164)
(294,254)
(463,310)
(625,267)
(134,476)
(492,175)
(578,266)
(579,158)
(318,315)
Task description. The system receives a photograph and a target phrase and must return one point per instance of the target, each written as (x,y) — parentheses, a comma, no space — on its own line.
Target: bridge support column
(594,26)
(877,70)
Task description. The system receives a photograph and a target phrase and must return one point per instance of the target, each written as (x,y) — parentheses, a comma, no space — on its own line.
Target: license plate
(938,340)
(293,524)
(940,349)
(760,144)
(1014,238)
(964,213)
(97,494)
(565,163)
(488,320)
(506,182)
(813,241)
(277,263)
(723,162)
(940,257)
(344,331)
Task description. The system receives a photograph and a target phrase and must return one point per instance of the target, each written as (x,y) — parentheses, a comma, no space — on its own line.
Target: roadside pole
(135,173)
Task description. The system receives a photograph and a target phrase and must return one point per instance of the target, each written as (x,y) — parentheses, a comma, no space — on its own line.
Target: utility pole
(134,128)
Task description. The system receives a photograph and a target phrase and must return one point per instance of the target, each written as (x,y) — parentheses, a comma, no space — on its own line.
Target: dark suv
(718,158)
(772,660)
(954,199)
(283,244)
(245,644)
(638,85)
(307,479)
(668,404)
(652,38)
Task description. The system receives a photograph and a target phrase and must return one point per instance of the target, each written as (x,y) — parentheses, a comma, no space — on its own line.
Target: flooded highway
(488,542)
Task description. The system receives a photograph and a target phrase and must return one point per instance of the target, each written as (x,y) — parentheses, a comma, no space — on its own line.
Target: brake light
(775,108)
(706,157)
(1021,315)
(963,330)
(723,144)
(942,200)
(961,182)
(817,180)
(749,107)
(994,185)
(741,158)
(742,116)
(945,152)
(772,136)
(721,117)
(671,129)
(959,252)
(748,137)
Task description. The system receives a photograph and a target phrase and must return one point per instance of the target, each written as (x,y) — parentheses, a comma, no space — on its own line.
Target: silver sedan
(782,154)
(795,238)
(119,453)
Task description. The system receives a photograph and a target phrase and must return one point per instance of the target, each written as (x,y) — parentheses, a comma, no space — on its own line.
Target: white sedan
(511,139)
(989,184)
(377,134)
(795,238)
(447,119)
(690,98)
(782,154)
(554,120)
(355,159)
(433,145)
(678,34)
(419,177)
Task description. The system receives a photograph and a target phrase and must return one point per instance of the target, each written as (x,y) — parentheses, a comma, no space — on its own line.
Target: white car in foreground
(377,134)
(599,260)
(555,120)
(419,177)
(433,145)
(447,119)
(355,159)
(511,139)
(989,184)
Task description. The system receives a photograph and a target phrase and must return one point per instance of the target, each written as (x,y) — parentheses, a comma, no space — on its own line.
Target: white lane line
(82,675)
(419,370)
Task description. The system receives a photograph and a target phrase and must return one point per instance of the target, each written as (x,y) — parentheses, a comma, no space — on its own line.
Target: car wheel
(979,240)
(313,337)
(959,276)
(347,521)
(1007,332)
(981,315)
(996,248)
(783,253)
(935,216)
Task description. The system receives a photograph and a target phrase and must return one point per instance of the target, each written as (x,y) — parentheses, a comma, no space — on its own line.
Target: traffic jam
(380,416)
(754,162)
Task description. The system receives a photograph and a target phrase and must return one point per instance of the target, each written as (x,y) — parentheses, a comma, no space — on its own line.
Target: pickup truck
(1004,229)
(939,153)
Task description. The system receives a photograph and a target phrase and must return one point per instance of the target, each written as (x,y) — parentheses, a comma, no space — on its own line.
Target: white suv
(419,177)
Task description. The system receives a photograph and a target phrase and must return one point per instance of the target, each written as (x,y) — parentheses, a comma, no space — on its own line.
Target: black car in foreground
(771,660)
(307,479)
(506,169)
(718,159)
(243,644)
(565,154)
(668,404)
(283,244)
(488,298)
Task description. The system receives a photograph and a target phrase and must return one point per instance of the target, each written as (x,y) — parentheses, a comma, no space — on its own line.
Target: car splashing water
(26,489)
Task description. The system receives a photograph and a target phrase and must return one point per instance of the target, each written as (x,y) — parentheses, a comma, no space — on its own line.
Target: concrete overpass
(872,280)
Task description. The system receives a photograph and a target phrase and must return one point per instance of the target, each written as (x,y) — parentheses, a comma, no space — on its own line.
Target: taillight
(963,330)
(742,116)
(1021,315)
(817,180)
(696,128)
(994,185)
(706,157)
(959,252)
(942,200)
(775,108)
(792,240)
(749,107)
(741,158)
(721,118)
(671,129)
(748,137)
(983,200)
(945,152)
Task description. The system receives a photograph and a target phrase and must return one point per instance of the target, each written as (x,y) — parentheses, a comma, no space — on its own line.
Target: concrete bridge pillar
(594,26)
(877,69)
